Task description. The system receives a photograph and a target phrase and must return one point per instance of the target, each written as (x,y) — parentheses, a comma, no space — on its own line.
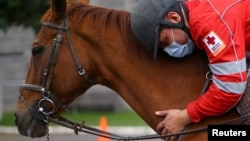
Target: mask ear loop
(157,30)
(172,35)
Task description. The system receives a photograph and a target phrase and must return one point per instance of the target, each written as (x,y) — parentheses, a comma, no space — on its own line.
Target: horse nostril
(15,119)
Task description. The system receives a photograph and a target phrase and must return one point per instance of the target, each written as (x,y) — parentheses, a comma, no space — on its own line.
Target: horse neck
(148,85)
(145,84)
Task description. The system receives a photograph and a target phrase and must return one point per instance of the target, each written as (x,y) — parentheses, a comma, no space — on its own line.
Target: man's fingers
(164,131)
(160,127)
(161,113)
(173,138)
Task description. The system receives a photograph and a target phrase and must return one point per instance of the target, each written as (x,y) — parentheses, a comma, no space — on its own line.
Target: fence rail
(13,83)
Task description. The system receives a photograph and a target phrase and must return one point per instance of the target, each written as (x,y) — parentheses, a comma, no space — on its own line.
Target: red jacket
(222,29)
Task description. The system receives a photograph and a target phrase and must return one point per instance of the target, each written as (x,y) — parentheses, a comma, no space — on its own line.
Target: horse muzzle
(32,118)
(29,126)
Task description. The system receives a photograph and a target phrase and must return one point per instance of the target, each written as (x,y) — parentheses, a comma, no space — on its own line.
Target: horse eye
(37,50)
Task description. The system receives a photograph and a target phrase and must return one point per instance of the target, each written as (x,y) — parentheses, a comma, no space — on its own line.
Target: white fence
(97,97)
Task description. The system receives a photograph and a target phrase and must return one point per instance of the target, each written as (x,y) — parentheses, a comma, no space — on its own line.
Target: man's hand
(175,121)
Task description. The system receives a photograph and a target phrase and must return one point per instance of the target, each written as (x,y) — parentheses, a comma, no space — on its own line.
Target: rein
(43,113)
(94,131)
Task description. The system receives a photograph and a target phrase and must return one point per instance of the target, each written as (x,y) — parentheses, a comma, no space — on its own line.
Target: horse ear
(58,8)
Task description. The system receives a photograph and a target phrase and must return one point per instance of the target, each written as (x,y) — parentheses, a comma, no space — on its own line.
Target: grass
(124,118)
(91,118)
(7,119)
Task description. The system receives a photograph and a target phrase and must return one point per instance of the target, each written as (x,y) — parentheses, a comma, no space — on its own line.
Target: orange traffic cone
(103,125)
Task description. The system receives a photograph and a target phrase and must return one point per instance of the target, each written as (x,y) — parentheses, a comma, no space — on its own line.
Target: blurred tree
(22,12)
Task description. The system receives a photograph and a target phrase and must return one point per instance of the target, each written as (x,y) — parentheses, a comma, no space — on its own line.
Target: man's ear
(173,17)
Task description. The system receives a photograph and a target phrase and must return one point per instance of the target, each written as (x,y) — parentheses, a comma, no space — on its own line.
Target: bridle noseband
(44,88)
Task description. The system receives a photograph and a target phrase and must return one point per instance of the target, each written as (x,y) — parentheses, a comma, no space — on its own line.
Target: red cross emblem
(211,40)
(214,43)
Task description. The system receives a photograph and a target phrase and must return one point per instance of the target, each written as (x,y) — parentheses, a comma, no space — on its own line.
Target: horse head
(38,99)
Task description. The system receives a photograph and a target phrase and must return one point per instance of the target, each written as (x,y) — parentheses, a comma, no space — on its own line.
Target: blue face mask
(179,50)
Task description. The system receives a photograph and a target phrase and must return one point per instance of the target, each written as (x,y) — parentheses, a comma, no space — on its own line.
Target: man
(220,28)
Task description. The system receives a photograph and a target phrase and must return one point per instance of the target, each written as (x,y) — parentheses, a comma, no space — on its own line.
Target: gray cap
(146,18)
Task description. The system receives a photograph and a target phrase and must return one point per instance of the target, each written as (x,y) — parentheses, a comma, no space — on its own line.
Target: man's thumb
(161,113)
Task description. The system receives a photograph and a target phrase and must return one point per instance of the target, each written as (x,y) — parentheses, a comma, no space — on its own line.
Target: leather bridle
(44,88)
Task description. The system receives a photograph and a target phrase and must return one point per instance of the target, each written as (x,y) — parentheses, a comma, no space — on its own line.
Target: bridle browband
(41,113)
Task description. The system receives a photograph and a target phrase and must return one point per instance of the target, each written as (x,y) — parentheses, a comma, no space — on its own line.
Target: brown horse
(99,45)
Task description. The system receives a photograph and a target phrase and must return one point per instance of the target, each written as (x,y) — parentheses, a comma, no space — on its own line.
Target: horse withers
(80,45)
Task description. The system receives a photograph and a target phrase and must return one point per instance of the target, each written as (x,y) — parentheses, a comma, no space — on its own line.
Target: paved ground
(84,137)
(63,134)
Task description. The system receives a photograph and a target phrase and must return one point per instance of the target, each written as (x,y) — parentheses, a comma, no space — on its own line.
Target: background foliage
(22,12)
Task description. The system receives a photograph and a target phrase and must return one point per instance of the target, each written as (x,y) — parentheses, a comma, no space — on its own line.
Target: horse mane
(103,18)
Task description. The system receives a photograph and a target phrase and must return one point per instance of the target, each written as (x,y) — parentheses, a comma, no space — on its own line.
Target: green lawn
(123,118)
(7,119)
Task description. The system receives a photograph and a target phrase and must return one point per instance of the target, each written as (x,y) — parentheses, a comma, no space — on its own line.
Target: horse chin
(29,126)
